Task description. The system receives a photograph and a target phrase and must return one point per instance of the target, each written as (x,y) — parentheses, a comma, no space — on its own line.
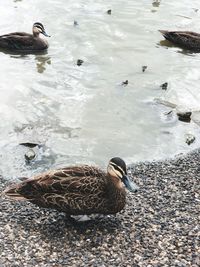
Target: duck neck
(35,32)
(117,193)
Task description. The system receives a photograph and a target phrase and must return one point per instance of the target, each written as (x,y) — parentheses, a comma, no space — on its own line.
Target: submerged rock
(75,23)
(29,144)
(125,83)
(164,86)
(184,116)
(30,155)
(79,62)
(144,68)
(109,11)
(190,139)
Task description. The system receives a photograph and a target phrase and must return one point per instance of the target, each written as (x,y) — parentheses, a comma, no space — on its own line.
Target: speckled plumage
(75,190)
(186,39)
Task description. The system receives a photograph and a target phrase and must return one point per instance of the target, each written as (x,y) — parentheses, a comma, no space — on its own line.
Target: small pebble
(164,86)
(109,11)
(144,68)
(75,23)
(184,116)
(79,62)
(125,83)
(30,155)
(190,139)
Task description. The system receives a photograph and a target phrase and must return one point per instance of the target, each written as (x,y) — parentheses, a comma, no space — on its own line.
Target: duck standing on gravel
(25,42)
(78,190)
(185,39)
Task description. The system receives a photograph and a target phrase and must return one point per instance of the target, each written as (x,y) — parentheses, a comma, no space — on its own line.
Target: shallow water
(82,113)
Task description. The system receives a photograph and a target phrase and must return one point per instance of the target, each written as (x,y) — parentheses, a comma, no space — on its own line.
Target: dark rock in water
(125,83)
(75,23)
(164,86)
(30,155)
(144,68)
(109,11)
(29,144)
(184,116)
(79,62)
(190,139)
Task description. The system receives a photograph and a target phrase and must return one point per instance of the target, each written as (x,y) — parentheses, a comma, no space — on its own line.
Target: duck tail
(13,193)
(164,32)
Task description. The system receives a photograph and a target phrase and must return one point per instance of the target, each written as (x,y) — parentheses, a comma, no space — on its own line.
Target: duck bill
(131,186)
(45,34)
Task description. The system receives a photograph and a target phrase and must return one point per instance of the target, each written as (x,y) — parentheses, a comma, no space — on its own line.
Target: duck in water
(25,42)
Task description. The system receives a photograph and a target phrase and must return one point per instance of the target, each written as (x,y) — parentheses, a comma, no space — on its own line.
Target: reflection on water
(167,44)
(79,113)
(156,3)
(41,62)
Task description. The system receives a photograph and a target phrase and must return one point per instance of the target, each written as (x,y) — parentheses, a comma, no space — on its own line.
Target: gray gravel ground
(160,225)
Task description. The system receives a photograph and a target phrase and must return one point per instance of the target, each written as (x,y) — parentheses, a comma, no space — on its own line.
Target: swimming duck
(21,41)
(77,190)
(185,39)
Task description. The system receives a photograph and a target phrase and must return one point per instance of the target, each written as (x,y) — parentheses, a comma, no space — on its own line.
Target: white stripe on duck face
(39,26)
(114,172)
(117,168)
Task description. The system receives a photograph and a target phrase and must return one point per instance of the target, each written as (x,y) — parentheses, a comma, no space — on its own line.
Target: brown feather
(186,39)
(75,190)
(21,41)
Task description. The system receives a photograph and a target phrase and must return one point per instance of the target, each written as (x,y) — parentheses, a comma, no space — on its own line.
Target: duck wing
(75,190)
(16,34)
(17,41)
(187,39)
(84,180)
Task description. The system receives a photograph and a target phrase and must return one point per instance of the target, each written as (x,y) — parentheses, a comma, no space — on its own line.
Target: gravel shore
(160,225)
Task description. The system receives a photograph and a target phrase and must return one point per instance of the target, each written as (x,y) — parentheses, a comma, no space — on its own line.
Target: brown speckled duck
(185,39)
(25,42)
(78,190)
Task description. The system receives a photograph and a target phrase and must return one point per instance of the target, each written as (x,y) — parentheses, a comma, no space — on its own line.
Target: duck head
(117,168)
(39,28)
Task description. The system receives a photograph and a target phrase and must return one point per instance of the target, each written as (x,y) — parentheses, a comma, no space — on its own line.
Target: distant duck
(185,39)
(21,41)
(77,190)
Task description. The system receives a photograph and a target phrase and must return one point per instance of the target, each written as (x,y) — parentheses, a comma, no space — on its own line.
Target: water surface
(82,113)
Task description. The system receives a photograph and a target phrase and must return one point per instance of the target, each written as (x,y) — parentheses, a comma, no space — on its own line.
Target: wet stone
(79,62)
(164,86)
(184,116)
(125,83)
(30,155)
(189,139)
(144,68)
